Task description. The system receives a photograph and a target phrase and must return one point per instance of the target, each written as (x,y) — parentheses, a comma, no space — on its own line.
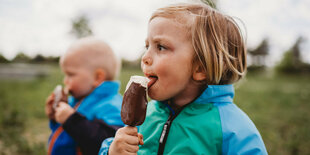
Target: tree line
(290,62)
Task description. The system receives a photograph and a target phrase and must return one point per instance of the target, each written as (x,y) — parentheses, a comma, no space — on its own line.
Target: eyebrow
(159,39)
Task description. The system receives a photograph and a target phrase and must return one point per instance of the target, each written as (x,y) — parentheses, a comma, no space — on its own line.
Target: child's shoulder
(238,129)
(229,112)
(106,92)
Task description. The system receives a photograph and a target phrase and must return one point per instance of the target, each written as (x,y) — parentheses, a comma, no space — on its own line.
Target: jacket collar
(106,88)
(216,94)
(212,94)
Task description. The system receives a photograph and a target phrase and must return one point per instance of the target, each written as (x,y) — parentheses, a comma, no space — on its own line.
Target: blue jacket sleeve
(240,135)
(53,125)
(105,146)
(88,134)
(252,144)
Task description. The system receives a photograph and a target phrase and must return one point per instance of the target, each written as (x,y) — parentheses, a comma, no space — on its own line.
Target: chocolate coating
(134,105)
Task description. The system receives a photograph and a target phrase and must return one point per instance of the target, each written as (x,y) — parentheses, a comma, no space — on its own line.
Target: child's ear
(99,77)
(199,73)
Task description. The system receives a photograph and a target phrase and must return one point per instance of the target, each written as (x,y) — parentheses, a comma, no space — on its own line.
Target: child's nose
(146,59)
(66,81)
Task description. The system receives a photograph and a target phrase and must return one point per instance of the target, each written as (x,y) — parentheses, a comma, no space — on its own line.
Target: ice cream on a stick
(60,95)
(134,102)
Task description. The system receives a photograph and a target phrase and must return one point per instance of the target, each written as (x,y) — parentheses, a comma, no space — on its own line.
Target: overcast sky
(43,26)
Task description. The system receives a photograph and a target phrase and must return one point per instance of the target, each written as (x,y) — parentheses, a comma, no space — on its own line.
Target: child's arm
(126,141)
(88,134)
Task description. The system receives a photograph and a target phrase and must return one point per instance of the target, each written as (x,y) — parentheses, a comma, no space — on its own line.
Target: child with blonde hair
(93,111)
(193,56)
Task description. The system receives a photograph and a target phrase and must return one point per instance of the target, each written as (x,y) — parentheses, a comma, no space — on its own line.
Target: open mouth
(153,79)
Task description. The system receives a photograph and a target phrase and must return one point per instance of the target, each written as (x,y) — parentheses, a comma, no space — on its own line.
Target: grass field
(277,104)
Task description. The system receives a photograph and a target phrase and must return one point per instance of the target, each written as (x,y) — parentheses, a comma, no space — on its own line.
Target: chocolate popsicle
(60,95)
(134,102)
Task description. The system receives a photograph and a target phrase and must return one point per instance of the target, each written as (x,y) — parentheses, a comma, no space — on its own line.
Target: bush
(289,65)
(3,59)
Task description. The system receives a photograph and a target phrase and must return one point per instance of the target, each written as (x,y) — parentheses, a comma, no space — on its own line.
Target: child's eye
(161,48)
(70,74)
(146,46)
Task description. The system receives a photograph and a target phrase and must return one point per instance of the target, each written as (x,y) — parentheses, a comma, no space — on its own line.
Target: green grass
(277,104)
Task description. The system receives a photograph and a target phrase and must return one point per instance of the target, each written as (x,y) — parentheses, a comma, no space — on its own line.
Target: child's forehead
(182,18)
(71,55)
(73,58)
(86,55)
(67,61)
(73,64)
(159,25)
(83,51)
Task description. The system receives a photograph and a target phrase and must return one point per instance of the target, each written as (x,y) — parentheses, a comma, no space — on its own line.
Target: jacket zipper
(165,132)
(167,125)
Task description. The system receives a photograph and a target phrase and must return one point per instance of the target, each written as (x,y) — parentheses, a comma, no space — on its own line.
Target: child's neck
(80,98)
(187,96)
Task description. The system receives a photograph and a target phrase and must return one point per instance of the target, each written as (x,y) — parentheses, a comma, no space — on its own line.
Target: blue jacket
(104,103)
(211,124)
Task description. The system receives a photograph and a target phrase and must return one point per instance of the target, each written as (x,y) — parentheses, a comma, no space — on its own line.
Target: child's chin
(76,96)
(155,96)
(151,95)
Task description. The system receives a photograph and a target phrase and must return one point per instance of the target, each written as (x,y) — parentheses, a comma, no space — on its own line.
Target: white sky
(43,26)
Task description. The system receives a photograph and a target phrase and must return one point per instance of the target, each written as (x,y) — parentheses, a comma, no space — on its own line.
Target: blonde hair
(216,39)
(94,54)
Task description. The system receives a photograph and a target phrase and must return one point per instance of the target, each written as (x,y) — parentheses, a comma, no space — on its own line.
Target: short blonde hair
(216,39)
(95,54)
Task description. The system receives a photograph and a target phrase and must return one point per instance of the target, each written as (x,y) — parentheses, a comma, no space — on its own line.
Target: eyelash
(159,47)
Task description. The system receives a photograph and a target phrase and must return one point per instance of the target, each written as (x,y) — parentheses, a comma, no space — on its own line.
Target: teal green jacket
(211,124)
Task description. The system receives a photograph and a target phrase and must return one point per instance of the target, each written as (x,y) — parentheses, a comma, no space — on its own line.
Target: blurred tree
(296,51)
(291,61)
(80,27)
(258,55)
(212,3)
(131,64)
(53,59)
(42,59)
(3,59)
(38,59)
(21,57)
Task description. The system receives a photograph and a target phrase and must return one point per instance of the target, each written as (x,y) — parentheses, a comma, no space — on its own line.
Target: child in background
(90,67)
(193,56)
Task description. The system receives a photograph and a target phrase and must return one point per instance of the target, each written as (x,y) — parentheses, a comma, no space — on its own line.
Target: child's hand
(126,141)
(49,110)
(63,112)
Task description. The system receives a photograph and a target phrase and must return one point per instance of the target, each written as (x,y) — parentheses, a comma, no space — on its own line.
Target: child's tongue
(152,81)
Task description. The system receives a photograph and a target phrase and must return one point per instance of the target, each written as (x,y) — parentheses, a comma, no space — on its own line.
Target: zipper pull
(164,132)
